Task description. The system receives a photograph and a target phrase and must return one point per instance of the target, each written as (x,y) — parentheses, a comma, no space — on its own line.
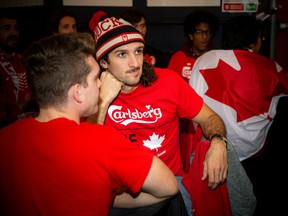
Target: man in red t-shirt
(145,104)
(55,165)
(248,91)
(199,28)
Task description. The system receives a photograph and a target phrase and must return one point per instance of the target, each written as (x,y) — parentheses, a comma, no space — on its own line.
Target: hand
(216,163)
(110,88)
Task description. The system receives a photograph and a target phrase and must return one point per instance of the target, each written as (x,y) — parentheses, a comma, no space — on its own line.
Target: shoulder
(257,59)
(98,128)
(166,73)
(216,54)
(178,54)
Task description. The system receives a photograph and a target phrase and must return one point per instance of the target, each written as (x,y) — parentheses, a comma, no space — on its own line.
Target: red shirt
(182,63)
(62,168)
(149,116)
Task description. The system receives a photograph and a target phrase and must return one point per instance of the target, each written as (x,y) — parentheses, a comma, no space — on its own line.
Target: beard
(10,44)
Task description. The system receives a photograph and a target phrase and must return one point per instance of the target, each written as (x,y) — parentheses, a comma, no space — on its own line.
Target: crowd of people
(102,123)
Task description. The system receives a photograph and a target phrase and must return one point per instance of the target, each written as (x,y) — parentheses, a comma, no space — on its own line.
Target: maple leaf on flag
(242,80)
(154,142)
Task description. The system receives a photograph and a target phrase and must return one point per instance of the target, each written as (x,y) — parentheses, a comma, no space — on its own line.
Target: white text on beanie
(112,33)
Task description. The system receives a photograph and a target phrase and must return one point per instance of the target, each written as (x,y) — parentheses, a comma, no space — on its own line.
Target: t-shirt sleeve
(130,164)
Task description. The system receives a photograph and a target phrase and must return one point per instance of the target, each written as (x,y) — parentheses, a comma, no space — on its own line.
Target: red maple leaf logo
(124,37)
(247,89)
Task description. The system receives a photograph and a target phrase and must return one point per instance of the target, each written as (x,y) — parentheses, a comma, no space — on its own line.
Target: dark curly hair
(241,31)
(148,75)
(196,17)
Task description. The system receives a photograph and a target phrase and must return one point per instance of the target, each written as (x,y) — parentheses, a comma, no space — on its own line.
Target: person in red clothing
(245,88)
(199,28)
(55,165)
(15,93)
(145,103)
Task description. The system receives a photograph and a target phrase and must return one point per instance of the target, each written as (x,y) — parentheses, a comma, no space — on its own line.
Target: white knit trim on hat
(118,41)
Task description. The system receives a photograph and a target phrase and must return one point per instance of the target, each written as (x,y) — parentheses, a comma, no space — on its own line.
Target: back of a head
(56,63)
(196,17)
(240,32)
(132,16)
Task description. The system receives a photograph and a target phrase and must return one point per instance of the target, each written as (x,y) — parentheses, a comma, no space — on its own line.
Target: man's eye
(139,51)
(122,54)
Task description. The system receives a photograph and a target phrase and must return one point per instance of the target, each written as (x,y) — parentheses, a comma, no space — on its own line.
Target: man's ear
(191,36)
(103,64)
(77,93)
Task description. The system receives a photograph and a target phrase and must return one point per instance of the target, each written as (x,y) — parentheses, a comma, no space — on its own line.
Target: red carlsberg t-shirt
(149,116)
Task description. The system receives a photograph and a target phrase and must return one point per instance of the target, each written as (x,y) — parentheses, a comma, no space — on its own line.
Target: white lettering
(128,116)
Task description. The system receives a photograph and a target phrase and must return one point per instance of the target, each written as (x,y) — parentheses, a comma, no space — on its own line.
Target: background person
(15,94)
(62,22)
(244,88)
(199,28)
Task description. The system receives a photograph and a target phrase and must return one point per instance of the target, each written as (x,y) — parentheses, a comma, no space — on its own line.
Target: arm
(109,90)
(216,163)
(159,185)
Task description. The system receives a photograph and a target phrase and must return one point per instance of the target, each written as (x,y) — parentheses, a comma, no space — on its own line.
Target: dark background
(165,30)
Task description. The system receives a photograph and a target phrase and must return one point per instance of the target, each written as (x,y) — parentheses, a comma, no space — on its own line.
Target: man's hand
(216,163)
(110,88)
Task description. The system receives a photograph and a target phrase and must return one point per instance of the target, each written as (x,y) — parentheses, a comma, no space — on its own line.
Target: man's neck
(48,114)
(128,89)
(197,53)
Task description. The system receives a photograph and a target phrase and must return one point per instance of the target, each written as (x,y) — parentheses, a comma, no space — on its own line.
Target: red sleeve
(130,163)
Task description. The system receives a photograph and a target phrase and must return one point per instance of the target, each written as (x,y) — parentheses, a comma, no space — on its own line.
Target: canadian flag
(243,88)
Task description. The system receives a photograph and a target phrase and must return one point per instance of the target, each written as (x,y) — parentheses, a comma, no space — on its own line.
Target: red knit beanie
(113,32)
(95,19)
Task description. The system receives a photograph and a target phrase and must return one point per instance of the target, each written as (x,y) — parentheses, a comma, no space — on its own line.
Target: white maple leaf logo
(154,142)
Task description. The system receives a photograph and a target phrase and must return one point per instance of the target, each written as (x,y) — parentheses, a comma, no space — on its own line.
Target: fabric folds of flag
(243,88)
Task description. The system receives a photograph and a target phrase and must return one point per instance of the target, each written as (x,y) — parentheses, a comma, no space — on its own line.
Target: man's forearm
(213,125)
(125,200)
